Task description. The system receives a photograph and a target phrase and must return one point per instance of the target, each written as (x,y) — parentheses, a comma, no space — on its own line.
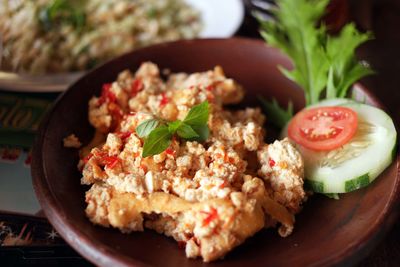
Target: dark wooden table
(382,17)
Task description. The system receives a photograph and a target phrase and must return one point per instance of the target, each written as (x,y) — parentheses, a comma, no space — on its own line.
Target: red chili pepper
(143,167)
(211,215)
(210,87)
(136,87)
(101,154)
(87,158)
(111,161)
(106,95)
(106,160)
(224,183)
(164,100)
(170,151)
(124,135)
(271,163)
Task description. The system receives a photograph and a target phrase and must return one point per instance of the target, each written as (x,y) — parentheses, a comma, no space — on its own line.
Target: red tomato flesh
(323,128)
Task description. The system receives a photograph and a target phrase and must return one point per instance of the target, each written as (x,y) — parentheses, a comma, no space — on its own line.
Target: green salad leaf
(296,34)
(345,69)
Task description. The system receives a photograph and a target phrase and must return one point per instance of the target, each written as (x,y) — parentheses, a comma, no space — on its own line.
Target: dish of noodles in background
(47,44)
(51,36)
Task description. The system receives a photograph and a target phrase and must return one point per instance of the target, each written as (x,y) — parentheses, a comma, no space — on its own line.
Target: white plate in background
(221,19)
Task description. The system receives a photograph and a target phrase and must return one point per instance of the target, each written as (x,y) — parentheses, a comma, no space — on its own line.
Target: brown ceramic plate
(327,232)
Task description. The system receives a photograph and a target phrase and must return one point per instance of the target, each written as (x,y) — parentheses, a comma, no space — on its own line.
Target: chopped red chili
(108,161)
(170,151)
(136,87)
(87,158)
(271,163)
(143,167)
(164,100)
(106,95)
(229,159)
(211,215)
(210,87)
(111,161)
(101,154)
(224,183)
(124,135)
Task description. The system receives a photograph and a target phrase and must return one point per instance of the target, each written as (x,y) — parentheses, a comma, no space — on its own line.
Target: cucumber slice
(357,163)
(332,102)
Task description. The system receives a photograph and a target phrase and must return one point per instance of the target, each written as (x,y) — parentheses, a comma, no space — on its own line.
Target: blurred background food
(53,36)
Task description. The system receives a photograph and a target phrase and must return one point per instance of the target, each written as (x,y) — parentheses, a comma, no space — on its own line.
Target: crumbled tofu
(72,141)
(283,168)
(204,195)
(192,250)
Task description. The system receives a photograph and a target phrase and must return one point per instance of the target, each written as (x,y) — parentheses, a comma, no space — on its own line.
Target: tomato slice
(323,128)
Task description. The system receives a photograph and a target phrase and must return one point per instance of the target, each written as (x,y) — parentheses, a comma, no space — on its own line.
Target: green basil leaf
(145,128)
(186,132)
(157,141)
(173,126)
(194,127)
(198,115)
(203,132)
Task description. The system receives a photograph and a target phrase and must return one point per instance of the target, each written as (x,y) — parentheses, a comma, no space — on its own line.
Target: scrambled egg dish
(208,196)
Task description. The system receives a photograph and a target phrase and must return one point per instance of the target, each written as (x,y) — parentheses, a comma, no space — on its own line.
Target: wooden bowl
(327,231)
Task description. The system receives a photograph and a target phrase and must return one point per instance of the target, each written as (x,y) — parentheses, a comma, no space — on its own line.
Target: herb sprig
(62,11)
(324,66)
(276,114)
(158,133)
